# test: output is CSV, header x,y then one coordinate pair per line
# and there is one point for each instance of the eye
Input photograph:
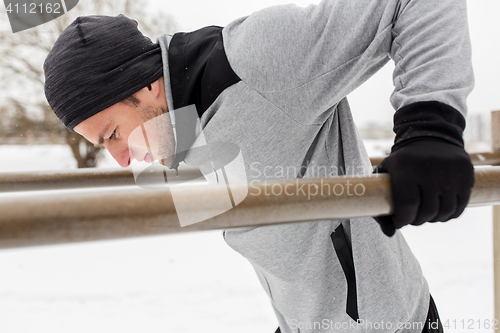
x,y
112,136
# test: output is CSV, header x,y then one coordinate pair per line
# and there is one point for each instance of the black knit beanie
x,y
97,62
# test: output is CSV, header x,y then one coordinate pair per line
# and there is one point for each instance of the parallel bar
x,y
496,259
86,178
31,219
478,159
495,146
80,178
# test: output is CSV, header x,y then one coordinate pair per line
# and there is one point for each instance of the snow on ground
x,y
457,259
196,283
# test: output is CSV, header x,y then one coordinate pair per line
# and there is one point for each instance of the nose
x,y
121,155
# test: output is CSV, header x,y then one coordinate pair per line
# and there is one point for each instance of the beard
x,y
158,129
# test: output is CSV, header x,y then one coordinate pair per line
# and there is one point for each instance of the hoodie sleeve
x,y
305,60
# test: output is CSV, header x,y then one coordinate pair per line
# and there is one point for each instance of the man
x,y
274,83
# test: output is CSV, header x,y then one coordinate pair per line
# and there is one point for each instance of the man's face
x,y
142,132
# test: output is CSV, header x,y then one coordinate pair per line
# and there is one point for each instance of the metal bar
x,y
31,219
81,178
496,259
478,159
87,178
495,146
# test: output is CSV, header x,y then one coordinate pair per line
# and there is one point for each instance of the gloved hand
x,y
431,174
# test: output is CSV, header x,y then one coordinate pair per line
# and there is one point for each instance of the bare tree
x,y
24,111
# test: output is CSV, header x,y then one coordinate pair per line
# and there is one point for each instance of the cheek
x,y
153,130
136,139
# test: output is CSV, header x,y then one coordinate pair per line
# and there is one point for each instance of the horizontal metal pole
x,y
81,178
31,219
87,178
479,159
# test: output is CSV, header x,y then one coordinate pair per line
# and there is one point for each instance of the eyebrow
x,y
101,136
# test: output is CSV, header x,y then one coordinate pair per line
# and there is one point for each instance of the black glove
x,y
431,174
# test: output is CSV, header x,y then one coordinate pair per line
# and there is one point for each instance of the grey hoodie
x,y
289,115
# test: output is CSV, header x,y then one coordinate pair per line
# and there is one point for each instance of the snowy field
x,y
195,283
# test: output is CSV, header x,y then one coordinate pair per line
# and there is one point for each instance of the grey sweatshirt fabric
x,y
297,65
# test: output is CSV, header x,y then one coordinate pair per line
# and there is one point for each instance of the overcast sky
x,y
370,101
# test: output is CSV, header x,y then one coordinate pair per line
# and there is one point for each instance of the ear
x,y
156,88
153,94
